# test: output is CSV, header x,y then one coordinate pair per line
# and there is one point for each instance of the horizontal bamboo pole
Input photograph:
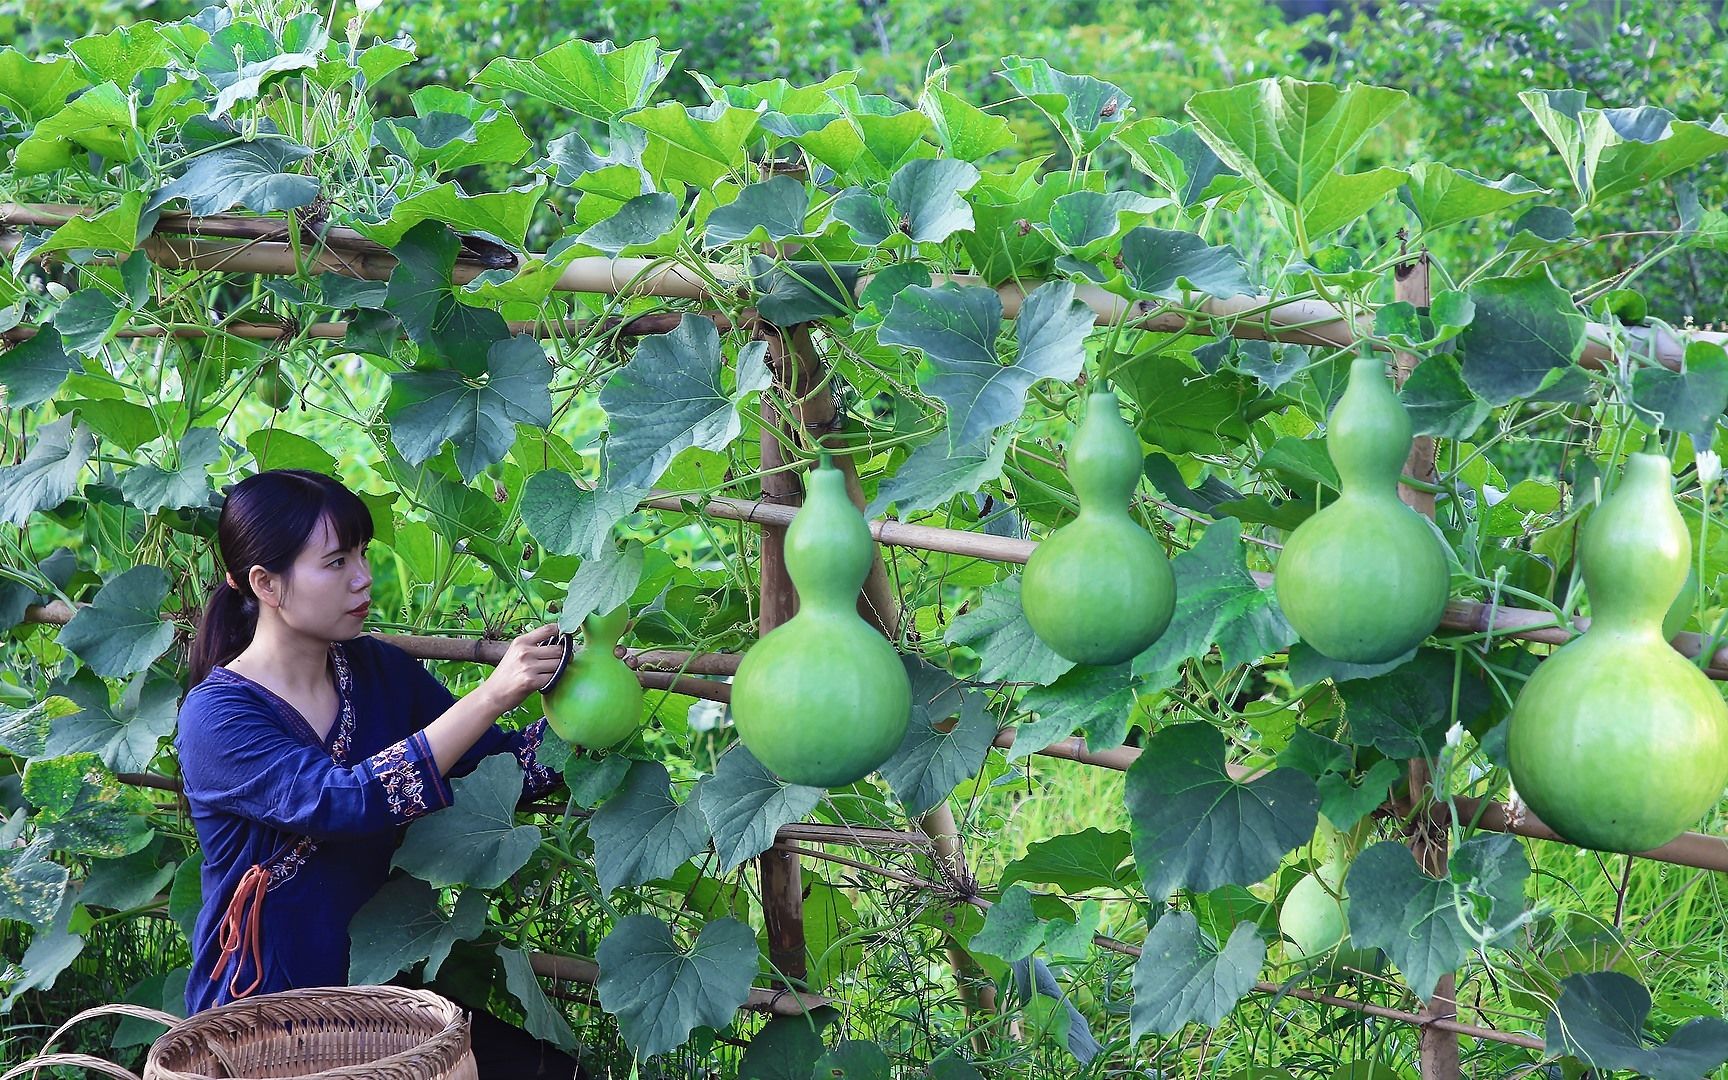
x,y
241,244
658,322
576,969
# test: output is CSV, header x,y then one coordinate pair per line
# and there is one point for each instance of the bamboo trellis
x,y
251,245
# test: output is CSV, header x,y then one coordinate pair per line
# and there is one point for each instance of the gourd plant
x,y
823,699
1617,741
1365,579
596,702
1099,590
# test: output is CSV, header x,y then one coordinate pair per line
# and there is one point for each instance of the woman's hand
x,y
530,660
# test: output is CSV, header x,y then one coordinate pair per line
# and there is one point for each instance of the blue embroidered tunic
x,y
307,826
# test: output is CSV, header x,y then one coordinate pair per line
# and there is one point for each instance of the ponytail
x,y
230,619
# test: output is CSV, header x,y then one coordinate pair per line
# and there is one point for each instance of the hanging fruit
x,y
273,387
823,699
1618,742
1365,579
1315,915
1099,590
596,702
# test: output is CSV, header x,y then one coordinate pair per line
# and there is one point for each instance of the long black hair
x,y
266,520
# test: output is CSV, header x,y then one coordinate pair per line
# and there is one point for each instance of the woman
x,y
306,746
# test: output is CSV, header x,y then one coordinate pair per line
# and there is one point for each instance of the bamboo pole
x,y
1438,1046
655,322
578,969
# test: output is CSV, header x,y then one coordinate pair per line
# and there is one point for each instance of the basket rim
x,y
442,1049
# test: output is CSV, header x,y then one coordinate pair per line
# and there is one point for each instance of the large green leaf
x,y
744,804
1003,244
460,131
1217,603
968,132
956,329
768,211
48,475
1178,159
479,416
126,883
570,520
641,833
1296,140
475,840
1076,862
31,884
124,735
1441,195
122,631
502,215
997,630
1098,699
1525,327
1690,400
1184,412
33,369
661,992
1165,263
1611,151
52,950
697,146
153,489
85,322
421,294
855,1059
1599,1019
930,762
1415,918
82,809
36,87
932,474
257,175
595,79
1195,827
243,56
669,398
1440,402
540,1017
1182,976
869,146
787,1047
404,924
99,120
1083,223
1405,712
1085,110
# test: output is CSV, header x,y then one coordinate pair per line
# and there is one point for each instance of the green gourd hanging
x,y
1099,590
596,701
823,698
1618,742
1315,915
1365,579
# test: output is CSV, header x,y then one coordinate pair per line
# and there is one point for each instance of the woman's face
x,y
330,590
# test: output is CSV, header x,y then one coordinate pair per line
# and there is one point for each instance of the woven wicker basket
x,y
321,1033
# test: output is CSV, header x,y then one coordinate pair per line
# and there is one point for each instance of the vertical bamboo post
x,y
1439,1049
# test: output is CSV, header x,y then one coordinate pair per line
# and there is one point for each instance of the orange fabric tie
x,y
241,932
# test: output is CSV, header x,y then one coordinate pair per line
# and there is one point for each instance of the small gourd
x,y
823,698
1315,915
1365,579
1618,742
1099,590
597,702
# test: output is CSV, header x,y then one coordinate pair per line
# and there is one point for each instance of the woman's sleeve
x,y
433,699
236,757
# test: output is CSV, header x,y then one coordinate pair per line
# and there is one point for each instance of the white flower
x,y
367,7
1709,467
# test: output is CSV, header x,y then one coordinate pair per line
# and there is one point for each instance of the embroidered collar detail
x,y
340,741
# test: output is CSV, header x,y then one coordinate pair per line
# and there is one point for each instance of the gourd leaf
x,y
31,884
1440,402
744,804
422,296
241,57
931,762
1691,400
1414,918
452,130
254,174
998,632
1405,712
956,328
153,489
1611,151
1012,931
125,736
404,924
1525,327
1182,976
868,146
668,398
771,210
475,840
570,520
594,79
1083,223
52,950
1599,1019
787,1047
1098,699
641,833
660,992
1084,110
1178,160
33,369
48,475
926,192
1217,603
127,882
82,809
1165,263
932,474
1441,195
1195,827
502,215
854,1059
696,146
122,630
479,416
1076,862
1296,140
968,132
540,1018
1184,413
85,322
114,229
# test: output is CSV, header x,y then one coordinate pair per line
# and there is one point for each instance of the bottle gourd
x,y
597,702
1365,579
1099,590
1618,742
823,699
